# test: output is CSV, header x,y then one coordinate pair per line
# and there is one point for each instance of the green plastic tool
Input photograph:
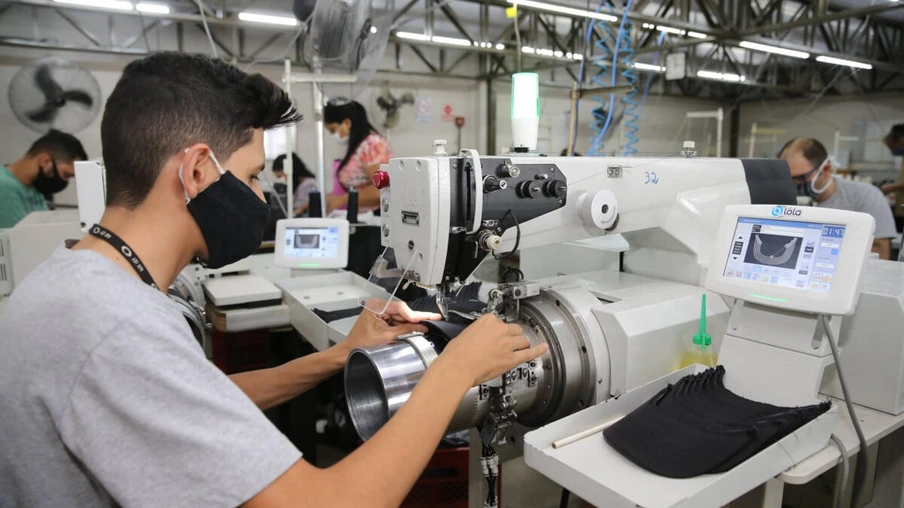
x,y
702,338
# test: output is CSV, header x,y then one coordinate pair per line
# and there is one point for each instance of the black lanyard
x,y
99,231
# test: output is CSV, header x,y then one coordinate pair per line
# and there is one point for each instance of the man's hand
x,y
398,319
490,347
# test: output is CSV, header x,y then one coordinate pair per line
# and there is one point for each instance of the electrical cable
x,y
420,14
584,57
213,45
630,74
282,56
516,21
863,454
650,77
563,501
620,37
508,213
601,117
842,489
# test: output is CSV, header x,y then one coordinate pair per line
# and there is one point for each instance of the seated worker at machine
x,y
111,402
367,149
27,184
303,181
894,140
811,171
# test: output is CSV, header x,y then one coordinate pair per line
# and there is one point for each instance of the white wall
x,y
663,124
866,117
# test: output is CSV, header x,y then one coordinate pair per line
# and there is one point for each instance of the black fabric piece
x,y
769,182
466,301
697,426
446,329
336,315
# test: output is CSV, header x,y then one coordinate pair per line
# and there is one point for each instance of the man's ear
x,y
44,161
194,161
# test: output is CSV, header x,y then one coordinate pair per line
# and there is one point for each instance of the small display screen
x,y
799,255
312,243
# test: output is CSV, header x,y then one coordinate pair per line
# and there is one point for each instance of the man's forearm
x,y
271,387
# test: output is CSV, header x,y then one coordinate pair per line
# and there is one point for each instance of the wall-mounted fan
x,y
344,37
391,105
54,94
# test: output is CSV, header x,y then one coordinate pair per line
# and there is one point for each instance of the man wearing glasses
x,y
811,171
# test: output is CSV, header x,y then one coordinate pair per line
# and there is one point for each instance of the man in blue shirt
x,y
27,184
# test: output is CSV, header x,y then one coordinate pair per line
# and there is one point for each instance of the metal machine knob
x,y
489,241
555,188
493,184
531,189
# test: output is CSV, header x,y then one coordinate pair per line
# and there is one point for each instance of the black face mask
x,y
49,185
231,218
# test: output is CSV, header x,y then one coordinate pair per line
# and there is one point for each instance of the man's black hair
x,y
59,145
167,102
361,127
812,150
896,133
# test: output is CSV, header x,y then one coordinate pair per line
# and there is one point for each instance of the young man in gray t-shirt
x,y
105,397
811,170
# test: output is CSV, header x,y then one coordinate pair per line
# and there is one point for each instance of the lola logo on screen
x,y
778,211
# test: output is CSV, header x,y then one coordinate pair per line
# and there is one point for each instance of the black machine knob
x,y
493,184
530,189
555,188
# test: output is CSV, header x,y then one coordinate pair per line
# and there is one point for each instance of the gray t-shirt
x,y
866,198
107,399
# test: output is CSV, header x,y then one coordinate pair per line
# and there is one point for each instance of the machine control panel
x,y
800,259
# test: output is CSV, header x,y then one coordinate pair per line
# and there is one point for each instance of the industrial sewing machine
x,y
609,332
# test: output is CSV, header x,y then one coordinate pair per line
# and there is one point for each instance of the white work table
x,y
876,426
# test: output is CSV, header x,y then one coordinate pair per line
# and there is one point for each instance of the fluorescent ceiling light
x,y
152,8
648,67
412,36
670,30
564,10
500,46
118,5
267,19
734,78
839,61
439,39
773,49
696,35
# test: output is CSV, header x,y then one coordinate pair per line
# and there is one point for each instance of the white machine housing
x,y
667,209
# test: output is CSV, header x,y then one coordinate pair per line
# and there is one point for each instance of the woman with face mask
x,y
366,150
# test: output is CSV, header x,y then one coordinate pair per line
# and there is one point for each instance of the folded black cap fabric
x,y
697,426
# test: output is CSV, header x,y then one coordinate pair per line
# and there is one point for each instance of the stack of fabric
x,y
697,426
